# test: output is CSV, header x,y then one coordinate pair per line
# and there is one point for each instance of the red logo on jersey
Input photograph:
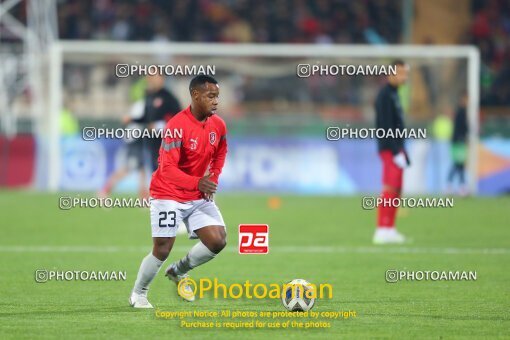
x,y
253,239
212,137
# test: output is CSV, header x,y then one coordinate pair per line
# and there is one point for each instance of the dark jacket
x,y
460,126
389,115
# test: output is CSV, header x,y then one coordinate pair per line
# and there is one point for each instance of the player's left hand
x,y
206,186
209,197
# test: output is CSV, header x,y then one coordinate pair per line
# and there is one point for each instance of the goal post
x,y
257,63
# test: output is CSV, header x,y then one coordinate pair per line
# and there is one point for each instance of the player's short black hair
x,y
201,80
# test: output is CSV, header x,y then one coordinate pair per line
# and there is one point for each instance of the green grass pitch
x,y
334,234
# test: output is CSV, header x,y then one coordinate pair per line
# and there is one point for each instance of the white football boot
x,y
388,236
184,288
139,301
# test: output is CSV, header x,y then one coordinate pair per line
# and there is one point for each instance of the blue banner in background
x,y
318,166
86,165
299,165
294,165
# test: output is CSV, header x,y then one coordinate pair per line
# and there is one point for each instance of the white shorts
x,y
166,215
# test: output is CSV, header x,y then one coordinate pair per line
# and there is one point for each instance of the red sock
x,y
386,211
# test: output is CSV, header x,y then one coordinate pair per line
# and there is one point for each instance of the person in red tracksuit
x,y
191,158
389,116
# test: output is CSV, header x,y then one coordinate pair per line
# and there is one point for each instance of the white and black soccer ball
x,y
298,295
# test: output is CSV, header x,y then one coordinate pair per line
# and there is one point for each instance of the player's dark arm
x,y
207,186
218,159
215,169
385,119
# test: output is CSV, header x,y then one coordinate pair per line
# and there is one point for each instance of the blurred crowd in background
x,y
285,21
490,31
243,21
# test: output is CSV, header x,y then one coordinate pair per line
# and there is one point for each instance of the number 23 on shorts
x,y
167,219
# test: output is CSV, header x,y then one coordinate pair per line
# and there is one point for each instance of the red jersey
x,y
189,148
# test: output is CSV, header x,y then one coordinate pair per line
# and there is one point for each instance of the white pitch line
x,y
274,249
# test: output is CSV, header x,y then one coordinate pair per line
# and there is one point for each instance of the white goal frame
x,y
59,48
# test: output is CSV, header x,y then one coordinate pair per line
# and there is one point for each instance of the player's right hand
x,y
207,186
126,120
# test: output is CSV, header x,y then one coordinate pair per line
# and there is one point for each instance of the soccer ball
x,y
298,295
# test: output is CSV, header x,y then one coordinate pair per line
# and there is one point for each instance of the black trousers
x,y
457,170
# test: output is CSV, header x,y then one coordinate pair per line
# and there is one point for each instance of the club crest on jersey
x,y
212,137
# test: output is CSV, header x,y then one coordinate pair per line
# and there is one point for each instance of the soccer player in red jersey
x,y
389,116
191,158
